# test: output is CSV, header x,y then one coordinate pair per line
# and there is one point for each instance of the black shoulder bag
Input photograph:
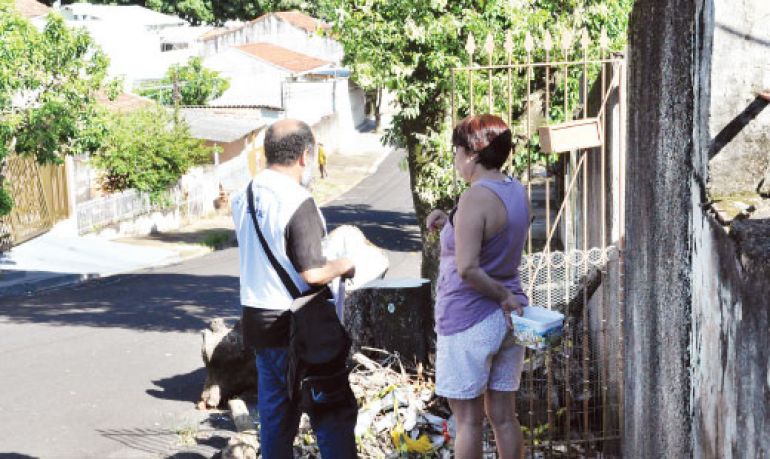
x,y
318,343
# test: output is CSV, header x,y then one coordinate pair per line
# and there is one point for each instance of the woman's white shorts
x,y
484,356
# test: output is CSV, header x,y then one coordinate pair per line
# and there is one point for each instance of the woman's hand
x,y
511,304
436,220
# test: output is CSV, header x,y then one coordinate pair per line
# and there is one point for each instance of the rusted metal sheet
x,y
571,136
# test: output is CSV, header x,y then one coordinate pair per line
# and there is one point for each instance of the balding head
x,y
286,140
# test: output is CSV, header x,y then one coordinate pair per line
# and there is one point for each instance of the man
x,y
322,160
293,228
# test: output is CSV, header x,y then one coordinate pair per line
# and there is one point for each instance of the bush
x,y
149,151
197,84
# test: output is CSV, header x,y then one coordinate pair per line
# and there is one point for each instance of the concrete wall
x,y
279,32
730,274
696,317
730,340
658,208
741,45
252,82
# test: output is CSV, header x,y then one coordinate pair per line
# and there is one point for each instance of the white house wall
x,y
252,82
134,52
278,32
309,101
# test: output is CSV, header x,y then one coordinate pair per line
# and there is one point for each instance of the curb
x,y
377,162
34,286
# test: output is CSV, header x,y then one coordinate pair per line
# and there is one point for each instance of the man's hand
x,y
341,267
348,267
436,220
511,304
765,94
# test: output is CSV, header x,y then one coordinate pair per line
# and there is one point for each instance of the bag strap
x,y
285,278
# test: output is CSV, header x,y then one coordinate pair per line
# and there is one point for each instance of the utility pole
x,y
176,95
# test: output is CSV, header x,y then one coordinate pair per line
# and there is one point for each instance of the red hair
x,y
487,135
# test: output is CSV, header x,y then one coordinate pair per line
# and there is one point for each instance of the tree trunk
x,y
395,315
377,110
230,368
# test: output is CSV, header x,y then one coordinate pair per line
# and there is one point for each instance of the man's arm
x,y
303,237
332,269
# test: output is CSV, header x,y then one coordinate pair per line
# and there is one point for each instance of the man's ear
x,y
304,158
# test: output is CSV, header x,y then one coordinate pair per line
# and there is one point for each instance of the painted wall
x,y
252,82
279,32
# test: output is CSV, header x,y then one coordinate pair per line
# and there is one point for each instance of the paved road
x,y
111,368
381,206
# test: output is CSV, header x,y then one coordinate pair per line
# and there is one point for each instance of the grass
x,y
218,239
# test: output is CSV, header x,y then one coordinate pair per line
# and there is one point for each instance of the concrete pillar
x,y
662,49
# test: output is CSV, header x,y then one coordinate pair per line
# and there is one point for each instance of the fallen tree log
x,y
395,315
230,368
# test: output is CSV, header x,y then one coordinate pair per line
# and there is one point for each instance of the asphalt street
x,y
112,368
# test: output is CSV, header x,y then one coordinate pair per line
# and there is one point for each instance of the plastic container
x,y
538,328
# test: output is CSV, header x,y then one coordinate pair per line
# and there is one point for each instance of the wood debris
x,y
399,414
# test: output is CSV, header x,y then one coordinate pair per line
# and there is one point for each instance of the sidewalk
x,y
58,258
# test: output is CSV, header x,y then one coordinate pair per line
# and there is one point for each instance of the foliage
x,y
149,151
410,48
213,11
196,84
48,84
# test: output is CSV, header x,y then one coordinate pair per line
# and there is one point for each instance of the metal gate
x,y
570,402
40,199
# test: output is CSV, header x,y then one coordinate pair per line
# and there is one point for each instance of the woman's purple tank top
x,y
458,305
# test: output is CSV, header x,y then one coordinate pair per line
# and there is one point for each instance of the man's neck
x,y
293,171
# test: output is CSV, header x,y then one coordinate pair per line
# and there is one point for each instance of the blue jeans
x,y
279,416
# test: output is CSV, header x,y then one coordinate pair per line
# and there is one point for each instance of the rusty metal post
x,y
566,44
584,43
603,348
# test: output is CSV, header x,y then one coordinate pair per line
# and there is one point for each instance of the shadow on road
x,y
389,230
189,441
184,388
148,302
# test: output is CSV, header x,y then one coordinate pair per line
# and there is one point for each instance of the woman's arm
x,y
436,220
469,223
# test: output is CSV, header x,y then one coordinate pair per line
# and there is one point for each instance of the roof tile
x,y
31,8
282,57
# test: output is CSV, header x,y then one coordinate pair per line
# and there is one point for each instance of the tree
x,y
195,84
48,83
410,47
211,11
148,150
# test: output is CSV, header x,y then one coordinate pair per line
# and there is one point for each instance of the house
x,y
134,15
133,38
289,29
235,130
124,102
33,10
258,73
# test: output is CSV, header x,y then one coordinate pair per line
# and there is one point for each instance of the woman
x,y
478,365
